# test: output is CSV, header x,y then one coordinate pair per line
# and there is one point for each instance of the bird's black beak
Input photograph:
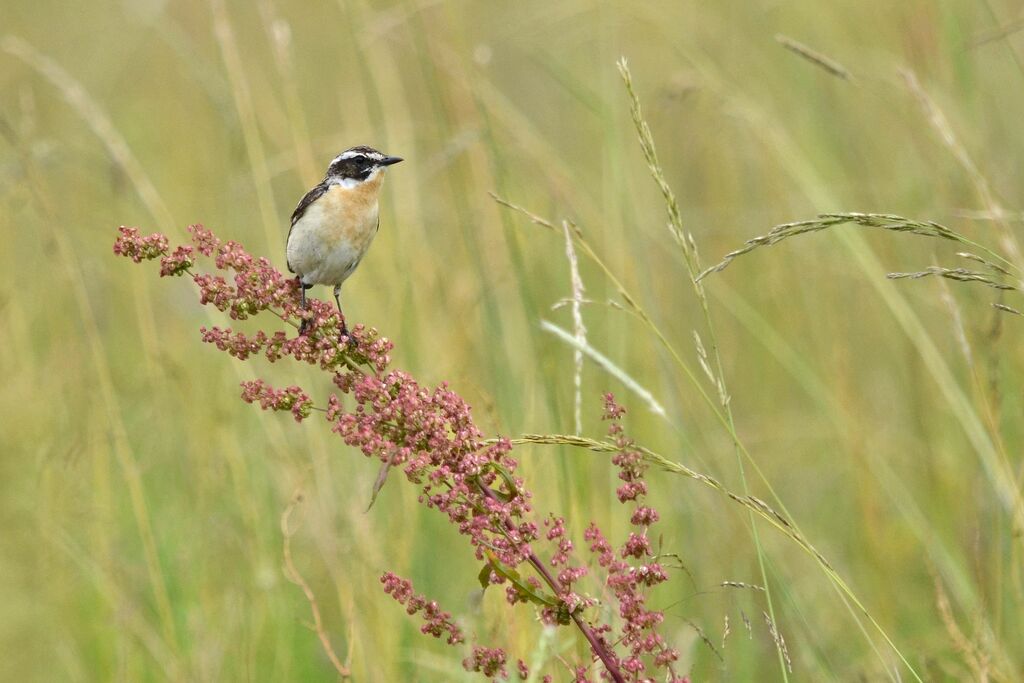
x,y
387,161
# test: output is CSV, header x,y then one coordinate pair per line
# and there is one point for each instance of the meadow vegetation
x,y
834,454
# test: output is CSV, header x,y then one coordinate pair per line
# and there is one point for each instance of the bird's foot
x,y
344,336
303,327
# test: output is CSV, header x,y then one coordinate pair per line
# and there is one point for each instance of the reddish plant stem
x,y
596,645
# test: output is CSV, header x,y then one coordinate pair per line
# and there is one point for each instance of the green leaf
x,y
510,483
484,577
537,598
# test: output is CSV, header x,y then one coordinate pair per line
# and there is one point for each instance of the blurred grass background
x,y
141,499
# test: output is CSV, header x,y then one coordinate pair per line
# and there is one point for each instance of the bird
x,y
335,222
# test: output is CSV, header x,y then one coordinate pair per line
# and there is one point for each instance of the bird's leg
x,y
337,300
304,325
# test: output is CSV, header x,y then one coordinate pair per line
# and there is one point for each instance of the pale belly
x,y
329,241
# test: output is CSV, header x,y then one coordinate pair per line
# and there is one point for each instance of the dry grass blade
x,y
581,346
882,221
814,57
958,274
937,119
293,575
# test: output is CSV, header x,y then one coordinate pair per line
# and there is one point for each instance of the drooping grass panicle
x,y
882,221
958,274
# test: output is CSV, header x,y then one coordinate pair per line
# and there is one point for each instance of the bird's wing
x,y
304,204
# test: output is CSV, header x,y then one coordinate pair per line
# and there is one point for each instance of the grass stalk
x,y
688,249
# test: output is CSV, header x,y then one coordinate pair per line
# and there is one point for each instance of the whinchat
x,y
335,222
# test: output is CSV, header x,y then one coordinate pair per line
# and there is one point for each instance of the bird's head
x,y
359,164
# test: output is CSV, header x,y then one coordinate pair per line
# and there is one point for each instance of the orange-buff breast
x,y
351,214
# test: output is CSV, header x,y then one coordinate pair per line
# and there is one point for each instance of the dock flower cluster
x,y
430,436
